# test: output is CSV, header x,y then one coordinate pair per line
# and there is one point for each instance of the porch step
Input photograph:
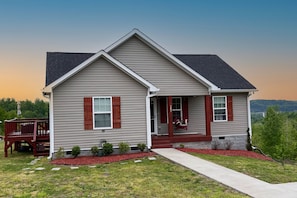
x,y
42,154
161,143
161,146
42,149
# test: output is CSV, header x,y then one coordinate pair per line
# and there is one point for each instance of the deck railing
x,y
27,127
31,131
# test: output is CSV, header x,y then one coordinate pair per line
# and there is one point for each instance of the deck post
x,y
170,116
5,148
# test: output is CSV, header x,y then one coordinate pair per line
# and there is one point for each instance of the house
x,y
135,91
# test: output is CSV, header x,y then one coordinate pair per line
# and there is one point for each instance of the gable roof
x,y
140,35
216,71
72,69
210,70
211,67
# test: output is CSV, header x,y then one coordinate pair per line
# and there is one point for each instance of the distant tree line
x,y
276,134
29,109
283,105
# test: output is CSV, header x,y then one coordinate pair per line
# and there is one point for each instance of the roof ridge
x,y
71,52
194,54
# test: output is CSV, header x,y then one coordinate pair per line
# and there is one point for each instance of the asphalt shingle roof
x,y
211,67
217,71
59,63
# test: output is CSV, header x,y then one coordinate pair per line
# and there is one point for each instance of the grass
x,y
159,178
269,171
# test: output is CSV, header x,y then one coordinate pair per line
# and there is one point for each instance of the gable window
x,y
220,108
177,108
102,112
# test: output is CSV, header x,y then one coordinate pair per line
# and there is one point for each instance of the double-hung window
x,y
220,108
177,108
102,110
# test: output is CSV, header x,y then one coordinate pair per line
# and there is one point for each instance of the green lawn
x,y
269,171
159,178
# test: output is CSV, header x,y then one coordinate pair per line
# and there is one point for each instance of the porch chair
x,y
181,125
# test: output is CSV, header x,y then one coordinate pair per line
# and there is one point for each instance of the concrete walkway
x,y
238,181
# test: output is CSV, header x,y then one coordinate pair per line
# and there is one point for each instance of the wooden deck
x,y
166,141
34,132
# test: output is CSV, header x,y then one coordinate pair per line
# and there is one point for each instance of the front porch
x,y
181,120
167,142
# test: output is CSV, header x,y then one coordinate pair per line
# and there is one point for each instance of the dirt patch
x,y
91,160
249,154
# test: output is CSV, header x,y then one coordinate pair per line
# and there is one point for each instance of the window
x,y
102,110
220,108
177,108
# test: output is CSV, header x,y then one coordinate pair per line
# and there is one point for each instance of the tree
x,y
272,132
8,110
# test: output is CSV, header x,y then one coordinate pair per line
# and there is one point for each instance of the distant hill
x,y
283,105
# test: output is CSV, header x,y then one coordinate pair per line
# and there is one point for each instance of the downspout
x,y
148,118
51,121
249,114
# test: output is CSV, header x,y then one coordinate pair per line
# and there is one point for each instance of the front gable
x,y
155,68
101,54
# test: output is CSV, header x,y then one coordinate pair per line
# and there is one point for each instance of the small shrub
x,y
107,149
181,146
141,146
60,153
75,151
95,150
228,144
215,145
124,147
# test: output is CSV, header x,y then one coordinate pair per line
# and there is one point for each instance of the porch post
x,y
170,116
208,114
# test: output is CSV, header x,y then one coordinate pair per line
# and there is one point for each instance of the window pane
x,y
219,102
176,115
102,120
176,103
102,104
220,114
96,104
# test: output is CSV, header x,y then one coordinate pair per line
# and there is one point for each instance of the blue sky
x,y
256,37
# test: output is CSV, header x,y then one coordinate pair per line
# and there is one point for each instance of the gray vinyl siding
x,y
153,67
239,124
196,115
98,79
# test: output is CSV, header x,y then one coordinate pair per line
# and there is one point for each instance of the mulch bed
x,y
242,153
91,160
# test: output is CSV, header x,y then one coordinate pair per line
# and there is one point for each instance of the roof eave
x,y
234,91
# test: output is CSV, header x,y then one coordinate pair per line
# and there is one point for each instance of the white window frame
x,y
102,112
181,107
219,108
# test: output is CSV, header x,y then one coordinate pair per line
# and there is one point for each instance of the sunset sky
x,y
258,38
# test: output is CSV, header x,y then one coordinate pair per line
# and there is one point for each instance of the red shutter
x,y
116,112
163,112
185,108
88,113
230,108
